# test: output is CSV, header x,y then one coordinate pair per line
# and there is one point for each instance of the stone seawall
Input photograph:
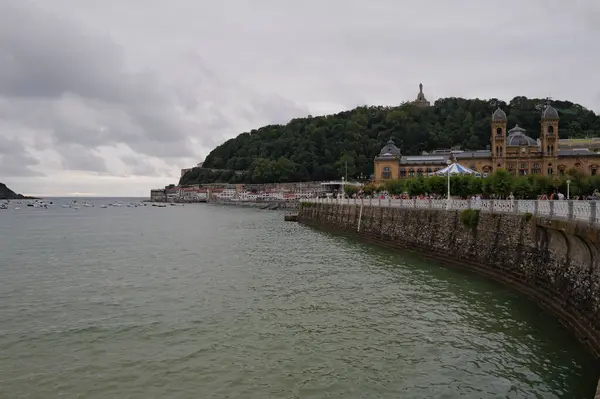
x,y
555,263
271,205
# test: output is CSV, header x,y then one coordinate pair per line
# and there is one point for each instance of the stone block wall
x,y
555,263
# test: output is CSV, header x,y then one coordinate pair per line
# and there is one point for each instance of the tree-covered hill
x,y
7,193
319,148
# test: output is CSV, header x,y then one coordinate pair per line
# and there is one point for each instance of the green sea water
x,y
204,301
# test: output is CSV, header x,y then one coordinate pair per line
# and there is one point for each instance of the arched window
x,y
429,171
499,131
411,173
523,169
420,172
550,130
387,173
402,172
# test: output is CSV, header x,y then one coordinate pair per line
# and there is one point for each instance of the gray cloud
x,y
140,166
77,157
15,159
49,60
92,82
74,85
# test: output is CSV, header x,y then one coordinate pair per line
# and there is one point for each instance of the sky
x,y
113,98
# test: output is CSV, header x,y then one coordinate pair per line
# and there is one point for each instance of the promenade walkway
x,y
577,210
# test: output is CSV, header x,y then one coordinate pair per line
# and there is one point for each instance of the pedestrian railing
x,y
579,210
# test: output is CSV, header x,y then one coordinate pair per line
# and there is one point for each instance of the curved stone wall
x,y
555,262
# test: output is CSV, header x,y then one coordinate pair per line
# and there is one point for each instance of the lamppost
x,y
448,162
568,184
346,163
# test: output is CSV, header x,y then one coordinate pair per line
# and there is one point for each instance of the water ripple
x,y
235,303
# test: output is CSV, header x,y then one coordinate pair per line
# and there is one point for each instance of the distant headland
x,y
8,194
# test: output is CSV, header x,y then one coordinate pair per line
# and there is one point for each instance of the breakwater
x,y
269,205
555,262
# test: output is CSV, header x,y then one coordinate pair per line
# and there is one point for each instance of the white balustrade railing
x,y
579,210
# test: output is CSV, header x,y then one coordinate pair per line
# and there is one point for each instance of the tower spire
x,y
421,101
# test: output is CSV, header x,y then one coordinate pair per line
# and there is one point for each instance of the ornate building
x,y
512,150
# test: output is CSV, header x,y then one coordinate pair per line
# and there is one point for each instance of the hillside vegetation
x,y
7,193
320,148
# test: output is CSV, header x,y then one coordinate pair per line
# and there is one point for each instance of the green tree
x,y
460,185
522,189
502,182
346,165
476,186
394,187
415,186
540,184
436,185
351,190
369,189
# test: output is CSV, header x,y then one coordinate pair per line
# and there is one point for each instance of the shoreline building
x,y
512,150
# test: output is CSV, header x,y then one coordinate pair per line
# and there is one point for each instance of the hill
x,y
320,148
7,193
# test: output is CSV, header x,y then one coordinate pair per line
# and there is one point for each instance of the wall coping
x,y
579,210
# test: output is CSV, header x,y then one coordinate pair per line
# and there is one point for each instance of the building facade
x,y
512,150
158,195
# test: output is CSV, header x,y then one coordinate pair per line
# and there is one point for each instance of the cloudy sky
x,y
113,97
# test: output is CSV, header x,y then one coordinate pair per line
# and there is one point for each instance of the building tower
x,y
498,139
549,139
421,101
